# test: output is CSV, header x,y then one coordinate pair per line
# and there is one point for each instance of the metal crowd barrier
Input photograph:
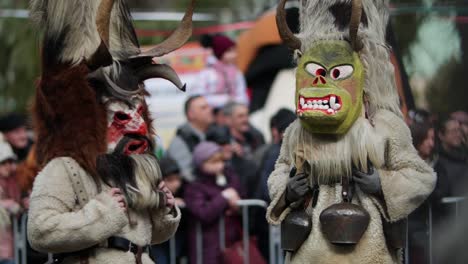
x,y
276,254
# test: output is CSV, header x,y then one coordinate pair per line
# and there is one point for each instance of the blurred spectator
x,y
462,118
171,175
221,81
245,169
13,127
452,166
199,118
423,140
214,194
279,122
9,201
248,138
418,221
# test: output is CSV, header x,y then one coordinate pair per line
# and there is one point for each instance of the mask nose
x,y
137,126
320,80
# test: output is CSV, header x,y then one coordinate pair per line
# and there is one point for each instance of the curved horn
x,y
102,56
285,32
356,16
160,71
177,39
103,18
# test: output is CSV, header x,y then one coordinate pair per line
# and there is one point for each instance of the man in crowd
x,y
247,137
13,127
462,117
199,118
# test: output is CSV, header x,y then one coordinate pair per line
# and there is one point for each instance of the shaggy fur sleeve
x,y
165,224
278,181
406,179
54,227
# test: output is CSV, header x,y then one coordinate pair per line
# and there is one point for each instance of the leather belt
x,y
118,243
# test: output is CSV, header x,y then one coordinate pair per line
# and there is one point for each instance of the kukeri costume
x,y
347,168
94,133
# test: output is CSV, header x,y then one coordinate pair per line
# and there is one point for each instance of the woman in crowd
x,y
212,195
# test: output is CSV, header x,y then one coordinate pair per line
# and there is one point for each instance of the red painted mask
x,y
124,120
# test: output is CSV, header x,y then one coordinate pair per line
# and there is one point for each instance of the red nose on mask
x,y
320,80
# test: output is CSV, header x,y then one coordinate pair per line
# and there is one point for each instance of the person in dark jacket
x,y
199,118
211,196
452,165
452,181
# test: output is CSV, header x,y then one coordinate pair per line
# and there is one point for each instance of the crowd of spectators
x,y
442,142
217,157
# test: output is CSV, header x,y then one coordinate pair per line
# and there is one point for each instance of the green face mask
x,y
329,87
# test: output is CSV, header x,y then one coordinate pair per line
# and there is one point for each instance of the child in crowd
x,y
171,175
213,194
9,201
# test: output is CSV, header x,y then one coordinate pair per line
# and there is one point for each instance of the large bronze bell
x,y
295,229
344,223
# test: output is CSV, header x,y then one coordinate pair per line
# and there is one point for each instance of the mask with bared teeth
x,y
329,87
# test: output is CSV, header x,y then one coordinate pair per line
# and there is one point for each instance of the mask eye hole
x,y
315,69
342,72
121,117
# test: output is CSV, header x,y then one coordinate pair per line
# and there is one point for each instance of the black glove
x,y
368,182
298,186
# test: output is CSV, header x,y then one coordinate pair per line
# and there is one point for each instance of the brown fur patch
x,y
68,118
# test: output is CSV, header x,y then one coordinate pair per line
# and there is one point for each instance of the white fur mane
x,y
332,157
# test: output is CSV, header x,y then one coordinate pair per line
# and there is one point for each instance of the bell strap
x,y
77,181
345,189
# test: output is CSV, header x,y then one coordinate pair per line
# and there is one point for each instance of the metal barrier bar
x,y
199,241
19,239
172,250
245,233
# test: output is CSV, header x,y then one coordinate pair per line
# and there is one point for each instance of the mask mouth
x,y
136,146
329,104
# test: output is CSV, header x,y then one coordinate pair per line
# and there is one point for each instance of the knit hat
x,y
6,152
219,43
11,122
204,151
168,166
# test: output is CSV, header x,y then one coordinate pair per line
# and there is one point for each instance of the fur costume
x,y
348,112
94,133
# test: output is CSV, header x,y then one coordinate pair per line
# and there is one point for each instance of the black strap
x,y
118,243
123,244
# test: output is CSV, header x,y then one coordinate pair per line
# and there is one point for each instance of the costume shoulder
x,y
393,126
54,180
406,179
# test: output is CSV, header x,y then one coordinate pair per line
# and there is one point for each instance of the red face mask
x,y
125,120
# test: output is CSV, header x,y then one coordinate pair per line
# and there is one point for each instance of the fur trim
x,y
68,119
77,19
